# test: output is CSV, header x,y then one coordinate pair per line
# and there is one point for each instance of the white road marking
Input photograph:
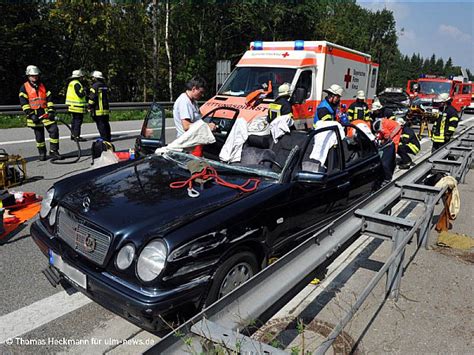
x,y
466,121
35,315
82,135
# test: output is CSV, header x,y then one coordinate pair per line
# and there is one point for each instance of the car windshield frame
x,y
244,80
182,158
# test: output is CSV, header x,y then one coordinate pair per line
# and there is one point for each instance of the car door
x,y
152,135
319,191
362,164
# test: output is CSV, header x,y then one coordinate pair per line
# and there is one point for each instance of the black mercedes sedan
x,y
130,238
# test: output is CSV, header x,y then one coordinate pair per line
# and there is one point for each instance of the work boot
x,y
405,166
42,155
54,154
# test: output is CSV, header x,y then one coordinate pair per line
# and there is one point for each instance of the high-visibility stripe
x,y
413,148
52,140
326,117
22,94
278,62
40,144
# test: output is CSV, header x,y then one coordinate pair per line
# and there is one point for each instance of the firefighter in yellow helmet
x,y
36,102
76,101
446,122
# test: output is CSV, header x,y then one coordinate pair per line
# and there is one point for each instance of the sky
x,y
445,28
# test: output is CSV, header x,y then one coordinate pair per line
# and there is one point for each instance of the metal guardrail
x,y
219,324
115,106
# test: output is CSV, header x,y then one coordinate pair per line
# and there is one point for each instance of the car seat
x,y
286,143
256,150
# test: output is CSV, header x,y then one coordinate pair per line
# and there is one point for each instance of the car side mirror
x,y
311,177
299,96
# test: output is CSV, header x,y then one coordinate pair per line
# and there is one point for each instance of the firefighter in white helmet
x,y
359,109
38,106
446,122
326,110
99,105
76,101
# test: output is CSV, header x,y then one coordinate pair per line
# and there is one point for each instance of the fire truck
x,y
308,66
427,87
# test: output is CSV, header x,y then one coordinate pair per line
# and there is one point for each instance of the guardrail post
x,y
394,273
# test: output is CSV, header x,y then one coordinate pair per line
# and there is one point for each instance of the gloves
x,y
35,118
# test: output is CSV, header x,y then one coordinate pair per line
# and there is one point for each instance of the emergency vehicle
x,y
430,86
306,65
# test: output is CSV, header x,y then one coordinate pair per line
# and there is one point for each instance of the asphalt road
x,y
34,316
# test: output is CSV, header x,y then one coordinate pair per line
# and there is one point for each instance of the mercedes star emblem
x,y
86,203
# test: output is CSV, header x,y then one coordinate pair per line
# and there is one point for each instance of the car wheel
x,y
233,272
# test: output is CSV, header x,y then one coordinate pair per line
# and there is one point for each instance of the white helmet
x,y
335,89
32,70
77,74
443,97
360,95
401,121
284,89
97,74
376,105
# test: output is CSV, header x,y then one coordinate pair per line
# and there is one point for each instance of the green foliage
x,y
117,38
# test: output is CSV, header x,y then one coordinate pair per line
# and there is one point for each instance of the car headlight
x,y
151,260
46,203
52,215
125,257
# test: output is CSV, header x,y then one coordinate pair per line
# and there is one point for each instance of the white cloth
x,y
231,151
323,141
259,126
106,158
184,109
452,184
198,133
281,125
364,128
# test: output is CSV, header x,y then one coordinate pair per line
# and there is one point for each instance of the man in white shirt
x,y
186,109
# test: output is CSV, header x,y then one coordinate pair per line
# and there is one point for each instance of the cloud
x,y
454,33
400,10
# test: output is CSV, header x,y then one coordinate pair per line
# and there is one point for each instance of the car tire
x,y
234,271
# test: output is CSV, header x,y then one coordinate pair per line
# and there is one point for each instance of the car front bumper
x,y
150,309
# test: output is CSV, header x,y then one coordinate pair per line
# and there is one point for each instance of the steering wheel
x,y
209,117
274,162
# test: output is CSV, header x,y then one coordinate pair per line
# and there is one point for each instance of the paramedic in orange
x,y
36,103
388,133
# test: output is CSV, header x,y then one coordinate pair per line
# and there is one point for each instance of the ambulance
x,y
308,66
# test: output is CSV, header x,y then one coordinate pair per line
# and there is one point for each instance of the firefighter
x,y
446,122
326,110
388,133
378,111
99,105
409,144
281,106
36,102
76,102
359,110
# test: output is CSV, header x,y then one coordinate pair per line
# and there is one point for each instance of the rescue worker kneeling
x,y
409,144
388,133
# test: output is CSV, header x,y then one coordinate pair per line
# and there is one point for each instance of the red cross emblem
x,y
286,54
348,77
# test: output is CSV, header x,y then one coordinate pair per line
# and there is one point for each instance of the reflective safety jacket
x,y
445,125
410,139
358,110
99,99
279,107
76,97
324,112
35,100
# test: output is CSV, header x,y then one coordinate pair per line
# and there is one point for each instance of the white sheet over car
x,y
231,151
323,141
198,133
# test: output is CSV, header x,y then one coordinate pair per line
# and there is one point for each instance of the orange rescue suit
x,y
350,130
390,129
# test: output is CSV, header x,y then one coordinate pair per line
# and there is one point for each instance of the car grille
x,y
82,236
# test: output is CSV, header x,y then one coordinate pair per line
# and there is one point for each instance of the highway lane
x,y
33,312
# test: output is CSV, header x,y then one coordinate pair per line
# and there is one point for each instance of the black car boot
x,y
54,154
42,154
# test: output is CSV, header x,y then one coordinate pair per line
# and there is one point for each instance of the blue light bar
x,y
299,45
258,45
422,75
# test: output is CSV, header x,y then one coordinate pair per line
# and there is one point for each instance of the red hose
x,y
211,173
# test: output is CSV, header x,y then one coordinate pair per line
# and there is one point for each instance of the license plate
x,y
71,273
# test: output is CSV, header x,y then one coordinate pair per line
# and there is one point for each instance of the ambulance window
x,y
373,77
466,89
304,81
